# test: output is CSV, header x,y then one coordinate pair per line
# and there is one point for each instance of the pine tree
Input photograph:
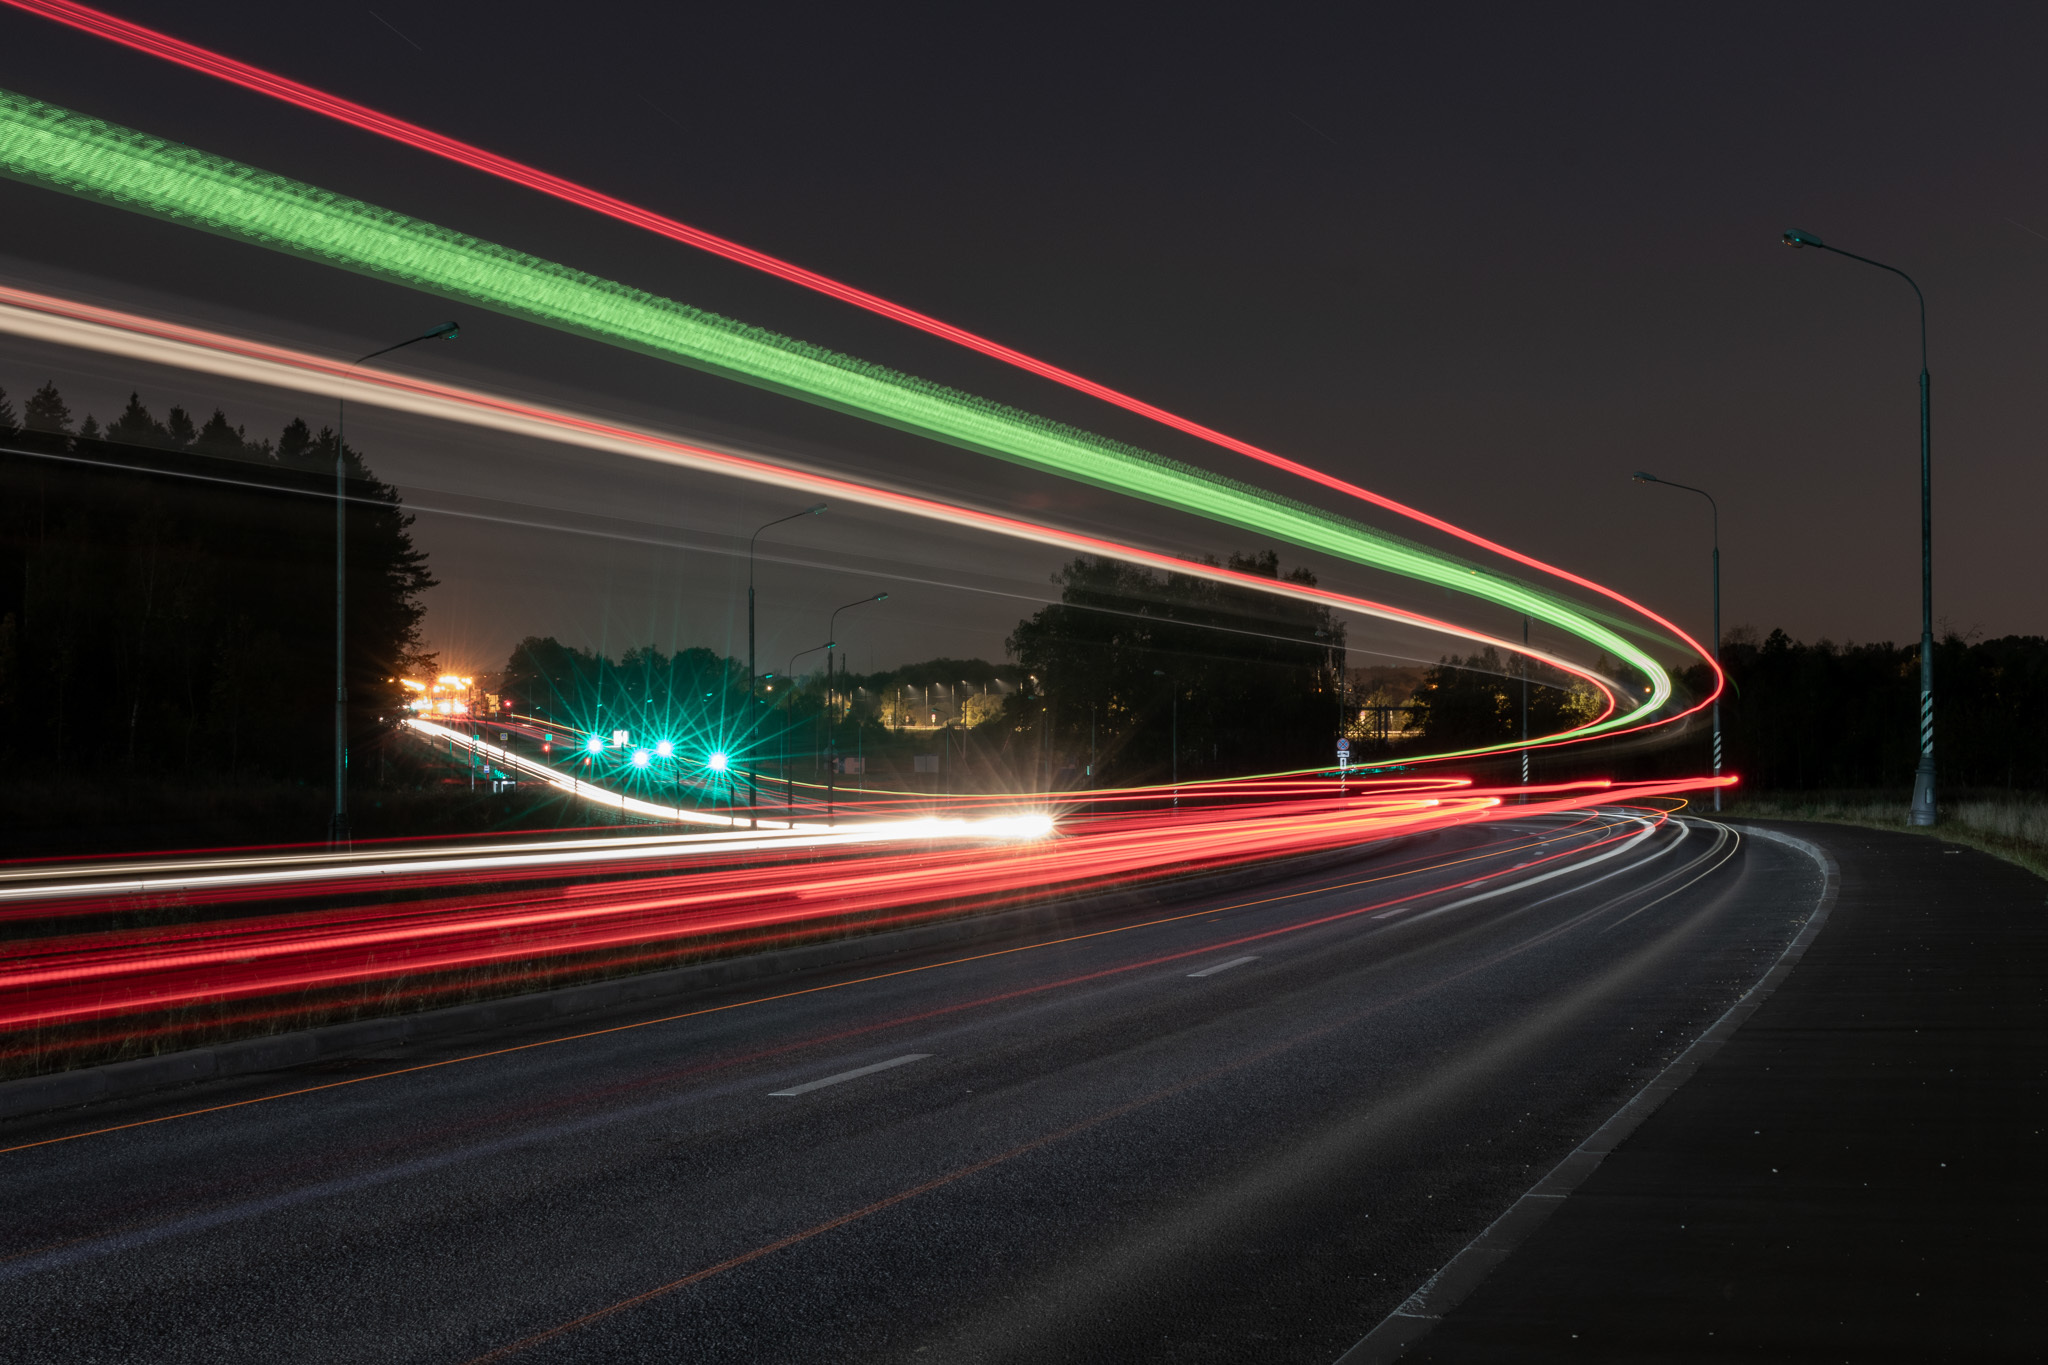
x,y
10,429
294,443
178,426
46,414
218,438
135,427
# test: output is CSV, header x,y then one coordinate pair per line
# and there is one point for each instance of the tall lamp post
x,y
1641,477
337,828
831,736
1525,707
1921,812
753,788
788,716
1174,684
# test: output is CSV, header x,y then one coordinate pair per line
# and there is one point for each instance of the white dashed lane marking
x,y
1225,966
852,1075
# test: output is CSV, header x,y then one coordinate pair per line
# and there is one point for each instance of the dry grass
x,y
2009,826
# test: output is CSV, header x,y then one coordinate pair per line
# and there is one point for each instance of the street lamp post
x,y
1525,706
788,717
831,735
1641,477
753,788
337,828
1174,685
1921,812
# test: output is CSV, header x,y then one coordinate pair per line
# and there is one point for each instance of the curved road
x,y
1223,1128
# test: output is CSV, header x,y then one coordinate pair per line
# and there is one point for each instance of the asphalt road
x,y
1854,1176
1226,1129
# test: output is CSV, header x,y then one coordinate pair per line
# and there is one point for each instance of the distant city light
x,y
451,694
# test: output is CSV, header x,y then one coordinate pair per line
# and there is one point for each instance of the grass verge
x,y
2009,826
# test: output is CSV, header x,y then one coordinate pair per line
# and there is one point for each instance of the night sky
x,y
1487,261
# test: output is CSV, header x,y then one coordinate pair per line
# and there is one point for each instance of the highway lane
x,y
1223,1128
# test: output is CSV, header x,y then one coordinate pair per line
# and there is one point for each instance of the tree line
x,y
1255,684
1803,717
1151,672
1795,716
167,595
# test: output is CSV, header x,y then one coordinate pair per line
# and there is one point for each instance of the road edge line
x,y
1459,1276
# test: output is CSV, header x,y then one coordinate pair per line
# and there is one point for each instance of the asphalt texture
x,y
1079,1149
1857,1175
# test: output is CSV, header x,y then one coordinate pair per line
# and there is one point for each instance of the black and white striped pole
x,y
1921,812
1525,705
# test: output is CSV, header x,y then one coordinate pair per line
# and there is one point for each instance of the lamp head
x,y
1640,477
1796,238
816,511
447,331
880,597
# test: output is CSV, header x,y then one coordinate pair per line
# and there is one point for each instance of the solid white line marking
x,y
852,1075
1225,966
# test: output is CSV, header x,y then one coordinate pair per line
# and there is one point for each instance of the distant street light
x,y
789,714
1641,477
1174,684
1921,812
337,829
753,791
1525,707
831,735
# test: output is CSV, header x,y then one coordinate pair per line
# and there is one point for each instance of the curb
x,y
142,1076
1443,1291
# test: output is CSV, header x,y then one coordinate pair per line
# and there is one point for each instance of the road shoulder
x,y
1852,1174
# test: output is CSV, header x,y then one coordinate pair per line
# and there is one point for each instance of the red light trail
x,y
456,924
71,323
442,921
155,43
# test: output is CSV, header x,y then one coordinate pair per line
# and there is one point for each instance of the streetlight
x,y
831,731
1641,477
1174,683
1524,661
753,791
1921,812
789,714
337,829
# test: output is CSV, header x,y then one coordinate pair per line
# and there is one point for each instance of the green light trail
x,y
56,148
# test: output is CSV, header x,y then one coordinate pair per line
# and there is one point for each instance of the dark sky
x,y
1486,260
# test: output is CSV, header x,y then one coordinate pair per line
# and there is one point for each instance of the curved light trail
x,y
452,925
263,936
54,147
66,322
196,58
